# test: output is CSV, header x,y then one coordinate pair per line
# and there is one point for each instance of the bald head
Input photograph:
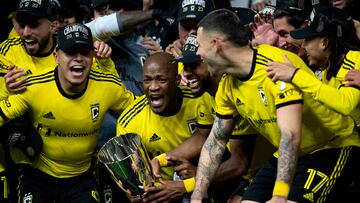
x,y
162,60
161,82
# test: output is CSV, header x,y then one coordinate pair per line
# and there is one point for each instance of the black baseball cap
x,y
97,3
245,15
74,34
39,8
189,55
198,9
329,21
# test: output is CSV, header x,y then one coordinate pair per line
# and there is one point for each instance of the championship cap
x,y
194,9
189,55
39,8
74,34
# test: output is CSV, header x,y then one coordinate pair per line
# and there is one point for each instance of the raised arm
x,y
289,120
347,98
211,156
112,25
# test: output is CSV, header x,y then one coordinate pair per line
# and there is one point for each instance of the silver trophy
x,y
128,162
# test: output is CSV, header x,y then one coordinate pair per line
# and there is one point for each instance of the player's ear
x,y
324,43
55,54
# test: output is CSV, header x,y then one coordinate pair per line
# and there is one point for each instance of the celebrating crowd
x,y
234,101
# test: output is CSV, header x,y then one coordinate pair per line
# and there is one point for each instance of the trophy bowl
x,y
128,163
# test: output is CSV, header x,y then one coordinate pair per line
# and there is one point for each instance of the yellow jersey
x,y
68,124
160,134
256,99
13,52
323,90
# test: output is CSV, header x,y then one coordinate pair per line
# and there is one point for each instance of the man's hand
x,y
281,71
102,49
184,168
151,45
277,199
147,4
175,48
132,198
353,78
168,191
263,30
155,165
13,81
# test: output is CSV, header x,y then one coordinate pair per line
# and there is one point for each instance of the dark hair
x,y
228,23
341,33
295,18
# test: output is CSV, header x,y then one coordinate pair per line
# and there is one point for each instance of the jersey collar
x,y
252,67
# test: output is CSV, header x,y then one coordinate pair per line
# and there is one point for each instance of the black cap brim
x,y
303,33
188,59
32,12
190,16
74,44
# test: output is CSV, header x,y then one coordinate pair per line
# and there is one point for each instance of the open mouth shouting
x,y
77,70
156,101
31,44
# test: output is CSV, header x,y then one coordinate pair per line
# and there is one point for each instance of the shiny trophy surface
x,y
127,160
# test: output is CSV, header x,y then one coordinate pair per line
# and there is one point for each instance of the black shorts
x,y
38,187
324,176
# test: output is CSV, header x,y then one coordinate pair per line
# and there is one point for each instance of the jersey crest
x,y
192,125
95,111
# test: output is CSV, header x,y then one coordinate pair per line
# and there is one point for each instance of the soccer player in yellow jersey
x,y
248,151
331,45
168,117
305,132
66,107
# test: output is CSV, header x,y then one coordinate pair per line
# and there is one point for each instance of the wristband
x,y
293,75
189,184
281,189
162,159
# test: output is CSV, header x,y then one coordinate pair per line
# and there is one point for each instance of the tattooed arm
x,y
211,156
289,121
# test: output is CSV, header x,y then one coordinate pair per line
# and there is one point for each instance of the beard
x,y
42,44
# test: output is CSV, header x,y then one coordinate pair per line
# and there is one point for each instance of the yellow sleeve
x,y
343,100
225,108
123,99
104,65
286,93
12,107
205,112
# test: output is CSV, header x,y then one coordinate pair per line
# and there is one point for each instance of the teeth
x,y
28,40
192,81
77,68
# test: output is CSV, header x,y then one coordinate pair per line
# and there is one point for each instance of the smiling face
x,y
285,41
36,33
317,51
160,83
74,67
198,76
